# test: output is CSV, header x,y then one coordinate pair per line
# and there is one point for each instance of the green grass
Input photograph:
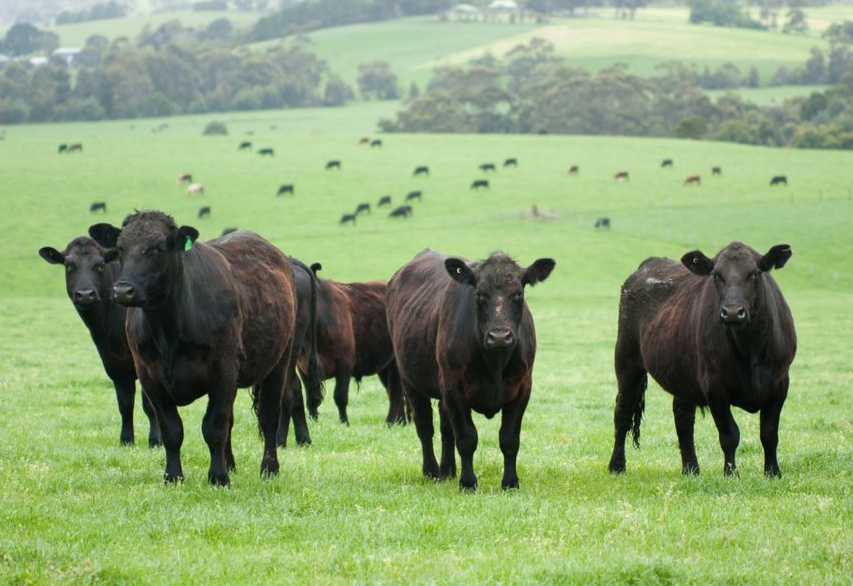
x,y
353,508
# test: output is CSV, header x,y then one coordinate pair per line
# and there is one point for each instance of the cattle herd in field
x,y
190,318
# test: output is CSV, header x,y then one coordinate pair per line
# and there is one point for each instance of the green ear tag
x,y
188,244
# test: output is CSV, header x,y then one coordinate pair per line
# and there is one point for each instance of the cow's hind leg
x,y
510,437
684,413
155,439
630,402
344,373
423,424
391,381
271,401
297,411
770,431
447,468
729,434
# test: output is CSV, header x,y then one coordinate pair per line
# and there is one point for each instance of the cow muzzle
x,y
499,339
125,294
86,297
733,314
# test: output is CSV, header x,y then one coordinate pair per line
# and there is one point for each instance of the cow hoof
x,y
345,421
773,473
269,469
730,470
690,470
510,484
470,488
126,441
172,479
155,443
303,443
218,479
616,469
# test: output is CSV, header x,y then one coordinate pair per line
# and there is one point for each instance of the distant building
x,y
3,60
503,6
37,61
67,54
464,12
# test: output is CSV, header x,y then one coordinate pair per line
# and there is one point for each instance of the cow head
x,y
498,285
149,246
737,271
85,271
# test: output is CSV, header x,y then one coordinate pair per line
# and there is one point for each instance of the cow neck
x,y
164,318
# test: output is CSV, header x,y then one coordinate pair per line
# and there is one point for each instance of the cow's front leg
x,y
171,426
510,437
729,434
465,434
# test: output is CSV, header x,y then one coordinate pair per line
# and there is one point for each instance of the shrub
x,y
214,127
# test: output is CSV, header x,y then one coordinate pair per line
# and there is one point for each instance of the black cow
x,y
712,332
480,183
779,180
666,163
62,148
204,212
422,170
487,167
203,321
716,170
602,223
362,207
385,200
376,143
285,189
333,165
89,282
401,212
245,145
347,219
414,195
463,334
98,206
511,162
266,151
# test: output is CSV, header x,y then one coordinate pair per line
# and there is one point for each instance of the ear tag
x,y
458,270
188,244
696,260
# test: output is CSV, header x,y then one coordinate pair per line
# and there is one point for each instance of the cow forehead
x,y
147,229
737,257
499,274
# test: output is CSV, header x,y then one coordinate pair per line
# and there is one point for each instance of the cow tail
x,y
639,407
314,383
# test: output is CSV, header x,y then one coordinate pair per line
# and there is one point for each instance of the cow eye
x,y
756,274
518,296
99,267
70,268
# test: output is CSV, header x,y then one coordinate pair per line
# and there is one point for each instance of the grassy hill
x,y
353,508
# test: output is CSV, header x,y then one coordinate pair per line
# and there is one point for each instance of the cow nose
x,y
85,297
123,293
733,314
499,338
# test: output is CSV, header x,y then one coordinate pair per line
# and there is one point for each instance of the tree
x,y
752,79
337,92
628,8
691,127
24,38
840,32
796,21
376,81
414,91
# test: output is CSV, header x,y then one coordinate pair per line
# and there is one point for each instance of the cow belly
x,y
186,380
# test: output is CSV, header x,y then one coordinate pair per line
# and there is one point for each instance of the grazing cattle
x,y
574,170
195,189
478,183
422,170
228,230
401,212
414,195
779,180
204,212
362,207
713,333
62,148
487,167
76,146
463,334
602,223
716,171
285,189
693,180
89,282
511,162
203,321
385,200
364,140
353,342
245,145
375,143
98,206
333,165
666,163
621,175
266,151
347,219
184,178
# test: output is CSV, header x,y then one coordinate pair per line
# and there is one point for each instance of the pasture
x,y
354,508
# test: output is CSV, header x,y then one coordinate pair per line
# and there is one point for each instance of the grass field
x,y
353,508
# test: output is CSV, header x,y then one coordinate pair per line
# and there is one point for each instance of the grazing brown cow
x,y
574,170
89,282
202,321
184,178
712,332
693,180
364,140
401,212
353,342
621,175
463,334
76,146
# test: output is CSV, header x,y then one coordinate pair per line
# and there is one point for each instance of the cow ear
x,y
459,271
105,234
184,238
538,271
775,258
52,255
110,255
316,267
698,263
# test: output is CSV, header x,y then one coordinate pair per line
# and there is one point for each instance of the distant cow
x,y
89,281
480,183
347,219
228,230
602,223
195,189
76,146
414,195
779,180
693,180
666,163
422,170
487,167
204,212
62,148
385,200
353,342
376,143
713,333
574,170
511,162
333,165
716,170
266,151
401,212
362,207
203,321
621,175
184,178
245,145
98,206
463,334
364,140
288,188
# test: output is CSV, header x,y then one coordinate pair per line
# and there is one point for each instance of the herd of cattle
x,y
189,318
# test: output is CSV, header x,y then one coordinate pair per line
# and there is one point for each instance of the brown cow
x,y
621,175
463,334
693,180
574,170
712,332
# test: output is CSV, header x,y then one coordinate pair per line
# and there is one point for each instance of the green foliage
x,y
24,38
337,92
97,12
215,127
377,81
721,13
691,127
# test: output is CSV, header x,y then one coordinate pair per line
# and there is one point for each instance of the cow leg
x,y
447,468
171,427
629,400
342,378
216,427
154,437
466,439
391,381
424,426
728,432
229,454
297,412
510,435
770,431
684,413
282,430
272,401
125,394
